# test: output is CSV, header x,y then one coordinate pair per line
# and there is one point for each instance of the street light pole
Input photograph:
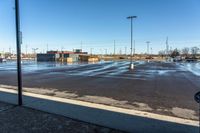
x,y
148,56
91,51
125,49
47,48
148,42
131,18
18,42
35,53
114,48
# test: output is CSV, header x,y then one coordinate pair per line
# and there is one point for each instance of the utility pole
x,y
81,46
125,50
105,51
101,53
91,50
47,47
167,48
120,52
34,52
134,48
148,42
26,49
18,42
62,58
131,18
61,48
9,49
114,47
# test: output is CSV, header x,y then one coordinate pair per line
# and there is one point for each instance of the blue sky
x,y
97,23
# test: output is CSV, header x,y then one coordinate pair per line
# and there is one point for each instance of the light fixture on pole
x,y
131,63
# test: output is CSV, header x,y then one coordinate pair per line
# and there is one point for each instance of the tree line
x,y
185,52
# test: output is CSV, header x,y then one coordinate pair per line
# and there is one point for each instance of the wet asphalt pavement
x,y
159,87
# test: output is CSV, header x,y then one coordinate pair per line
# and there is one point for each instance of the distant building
x,y
80,51
64,56
77,50
47,57
89,58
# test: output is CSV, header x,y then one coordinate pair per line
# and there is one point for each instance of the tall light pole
x,y
91,51
114,48
167,46
131,18
125,49
81,46
134,48
47,48
106,51
148,50
26,50
18,42
35,53
9,50
148,42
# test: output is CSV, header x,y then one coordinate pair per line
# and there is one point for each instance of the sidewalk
x,y
15,119
107,116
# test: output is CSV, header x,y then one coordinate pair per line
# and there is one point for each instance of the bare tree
x,y
194,51
161,53
175,53
185,51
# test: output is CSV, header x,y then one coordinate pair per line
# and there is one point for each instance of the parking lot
x,y
160,87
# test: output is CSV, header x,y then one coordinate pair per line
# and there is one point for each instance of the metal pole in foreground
x,y
131,64
18,42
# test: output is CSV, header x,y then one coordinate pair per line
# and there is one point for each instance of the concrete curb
x,y
113,117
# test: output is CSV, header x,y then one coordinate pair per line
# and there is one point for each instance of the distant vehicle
x,y
169,59
177,59
149,57
122,57
191,59
2,60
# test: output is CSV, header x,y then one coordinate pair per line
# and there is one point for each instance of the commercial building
x,y
89,58
47,57
63,56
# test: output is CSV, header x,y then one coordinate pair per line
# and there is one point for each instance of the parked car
x,y
177,59
191,59
2,60
149,57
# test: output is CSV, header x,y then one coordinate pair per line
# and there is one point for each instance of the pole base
x,y
131,67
